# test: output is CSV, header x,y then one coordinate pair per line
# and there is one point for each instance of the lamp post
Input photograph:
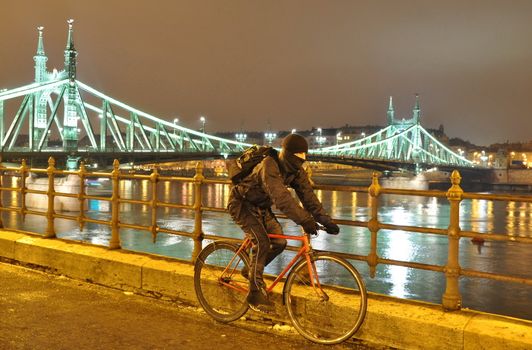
x,y
293,131
241,137
270,136
202,120
320,139
176,120
338,138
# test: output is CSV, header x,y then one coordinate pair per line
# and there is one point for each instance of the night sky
x,y
294,64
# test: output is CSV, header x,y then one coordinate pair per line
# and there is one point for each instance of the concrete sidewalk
x,y
44,311
390,322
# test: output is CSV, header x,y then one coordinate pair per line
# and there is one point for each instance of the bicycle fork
x,y
312,275
314,280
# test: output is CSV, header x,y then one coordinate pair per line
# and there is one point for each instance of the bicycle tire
x,y
330,321
222,297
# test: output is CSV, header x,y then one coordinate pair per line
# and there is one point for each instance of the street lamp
x,y
320,139
293,131
338,138
270,136
241,137
176,120
202,120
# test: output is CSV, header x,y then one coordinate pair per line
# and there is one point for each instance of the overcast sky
x,y
296,64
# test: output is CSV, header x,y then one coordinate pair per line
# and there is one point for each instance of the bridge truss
x,y
121,127
53,107
413,145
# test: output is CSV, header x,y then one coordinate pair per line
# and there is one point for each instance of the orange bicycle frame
x,y
303,251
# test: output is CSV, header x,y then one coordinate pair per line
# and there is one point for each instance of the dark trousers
x,y
257,223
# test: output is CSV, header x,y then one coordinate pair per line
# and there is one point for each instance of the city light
x,y
270,136
202,120
320,139
241,137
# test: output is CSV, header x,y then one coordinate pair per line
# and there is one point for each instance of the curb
x,y
389,321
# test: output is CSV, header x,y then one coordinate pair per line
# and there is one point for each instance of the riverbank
x,y
390,321
509,181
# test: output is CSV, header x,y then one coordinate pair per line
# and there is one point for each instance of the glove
x,y
310,226
332,228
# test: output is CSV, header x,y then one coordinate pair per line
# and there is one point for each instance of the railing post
x,y
114,243
373,223
451,299
198,231
81,173
50,229
154,177
23,171
1,185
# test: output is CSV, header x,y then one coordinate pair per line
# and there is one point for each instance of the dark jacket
x,y
267,185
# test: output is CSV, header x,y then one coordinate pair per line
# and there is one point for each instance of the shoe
x,y
258,301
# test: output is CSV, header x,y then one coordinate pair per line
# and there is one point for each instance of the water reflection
x,y
477,215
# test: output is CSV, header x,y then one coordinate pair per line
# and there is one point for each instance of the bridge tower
x,y
38,119
402,124
417,142
391,113
416,112
70,121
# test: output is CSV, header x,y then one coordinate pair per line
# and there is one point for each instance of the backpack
x,y
242,166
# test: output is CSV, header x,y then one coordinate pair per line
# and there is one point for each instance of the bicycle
x,y
324,294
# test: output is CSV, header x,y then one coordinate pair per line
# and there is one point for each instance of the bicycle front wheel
x,y
220,287
330,309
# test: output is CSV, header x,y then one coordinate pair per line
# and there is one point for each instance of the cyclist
x,y
250,203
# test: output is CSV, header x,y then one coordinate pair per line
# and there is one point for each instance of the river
x,y
514,218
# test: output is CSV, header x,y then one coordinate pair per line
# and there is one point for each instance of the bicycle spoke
x,y
220,287
332,308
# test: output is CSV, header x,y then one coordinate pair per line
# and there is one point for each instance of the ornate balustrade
x,y
451,299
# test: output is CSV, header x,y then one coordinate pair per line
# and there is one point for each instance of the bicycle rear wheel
x,y
330,314
220,287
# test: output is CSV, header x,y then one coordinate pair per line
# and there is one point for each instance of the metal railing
x,y
451,299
